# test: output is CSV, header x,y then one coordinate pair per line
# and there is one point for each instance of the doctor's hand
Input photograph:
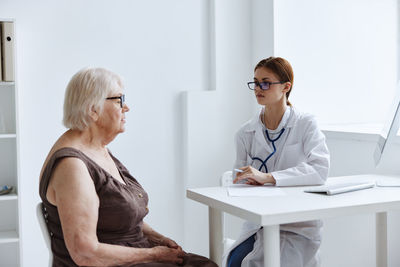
x,y
254,176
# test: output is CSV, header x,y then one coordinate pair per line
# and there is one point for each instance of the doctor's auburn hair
x,y
282,68
85,93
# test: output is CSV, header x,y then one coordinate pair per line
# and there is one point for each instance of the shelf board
x,y
362,128
5,136
6,83
8,237
356,131
7,19
11,196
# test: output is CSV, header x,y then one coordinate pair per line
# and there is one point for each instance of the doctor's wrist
x,y
269,179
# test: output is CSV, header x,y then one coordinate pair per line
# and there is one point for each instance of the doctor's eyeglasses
x,y
262,85
121,99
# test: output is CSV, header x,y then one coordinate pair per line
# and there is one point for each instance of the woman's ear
x,y
93,114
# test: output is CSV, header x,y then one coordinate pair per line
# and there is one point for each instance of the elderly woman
x,y
93,207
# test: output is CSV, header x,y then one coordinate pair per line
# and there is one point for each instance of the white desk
x,y
297,206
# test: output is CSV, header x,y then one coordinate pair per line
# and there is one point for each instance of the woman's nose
x,y
125,108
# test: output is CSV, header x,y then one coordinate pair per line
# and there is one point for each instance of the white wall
x,y
211,117
344,51
243,34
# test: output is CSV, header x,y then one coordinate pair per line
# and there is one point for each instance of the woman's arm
x,y
77,203
314,169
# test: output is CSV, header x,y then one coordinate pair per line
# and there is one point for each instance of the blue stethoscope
x,y
264,162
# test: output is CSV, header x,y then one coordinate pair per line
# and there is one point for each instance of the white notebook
x,y
339,188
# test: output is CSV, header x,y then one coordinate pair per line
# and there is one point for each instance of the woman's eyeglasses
x,y
261,85
121,99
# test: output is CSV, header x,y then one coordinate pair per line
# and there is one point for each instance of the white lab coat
x,y
302,158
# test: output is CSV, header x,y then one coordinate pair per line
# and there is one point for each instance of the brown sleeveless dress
x,y
121,211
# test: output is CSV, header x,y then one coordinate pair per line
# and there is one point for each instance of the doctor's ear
x,y
288,86
93,114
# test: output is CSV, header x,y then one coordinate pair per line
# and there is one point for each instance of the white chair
x,y
45,232
226,180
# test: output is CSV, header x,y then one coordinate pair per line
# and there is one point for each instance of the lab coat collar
x,y
256,123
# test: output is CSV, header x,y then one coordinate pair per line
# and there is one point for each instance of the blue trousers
x,y
237,254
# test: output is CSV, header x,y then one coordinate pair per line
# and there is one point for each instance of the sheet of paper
x,y
244,190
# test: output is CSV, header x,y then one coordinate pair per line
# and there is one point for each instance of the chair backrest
x,y
45,232
226,178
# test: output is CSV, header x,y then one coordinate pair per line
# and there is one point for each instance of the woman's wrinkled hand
x,y
168,255
170,243
253,176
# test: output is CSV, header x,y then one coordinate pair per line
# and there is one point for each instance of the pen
x,y
238,170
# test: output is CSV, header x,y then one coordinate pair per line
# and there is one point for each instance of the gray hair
x,y
86,91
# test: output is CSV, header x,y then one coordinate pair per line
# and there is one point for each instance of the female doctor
x,y
284,147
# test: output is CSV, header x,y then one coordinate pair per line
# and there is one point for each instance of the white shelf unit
x,y
9,204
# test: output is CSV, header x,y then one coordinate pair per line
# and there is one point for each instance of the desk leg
x,y
272,255
381,239
215,220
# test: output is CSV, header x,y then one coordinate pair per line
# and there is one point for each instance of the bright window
x,y
344,55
